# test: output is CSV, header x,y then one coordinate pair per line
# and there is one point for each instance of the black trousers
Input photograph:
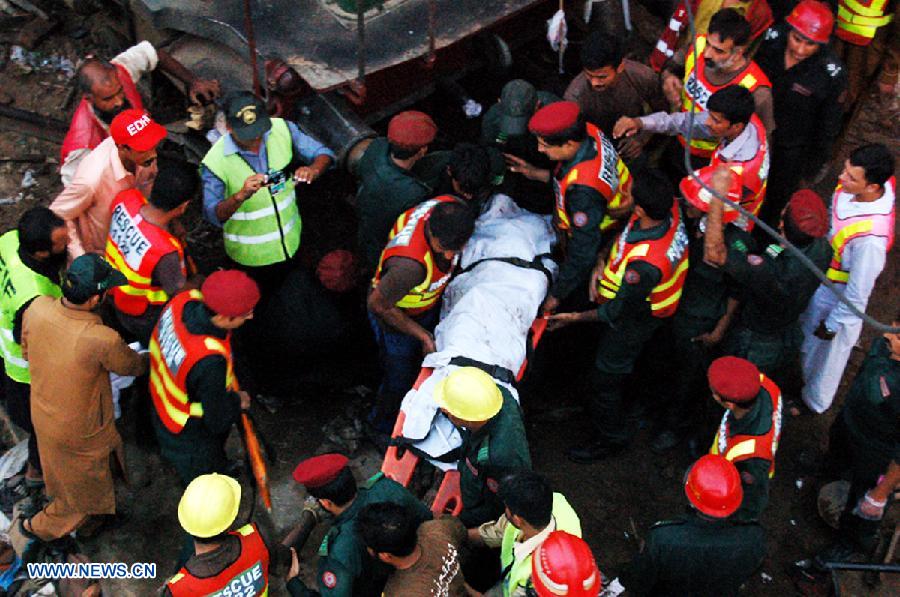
x,y
848,452
18,407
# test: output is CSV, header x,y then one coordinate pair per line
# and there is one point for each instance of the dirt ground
x,y
636,487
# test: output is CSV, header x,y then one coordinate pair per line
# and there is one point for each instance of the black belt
x,y
496,371
536,264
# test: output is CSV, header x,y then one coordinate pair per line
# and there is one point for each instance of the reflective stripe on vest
x,y
265,229
858,22
173,353
134,246
19,284
697,90
753,173
605,172
845,230
407,239
744,447
668,254
247,576
519,571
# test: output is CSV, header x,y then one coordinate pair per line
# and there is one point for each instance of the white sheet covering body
x,y
486,314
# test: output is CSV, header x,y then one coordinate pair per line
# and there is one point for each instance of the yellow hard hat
x,y
470,394
209,505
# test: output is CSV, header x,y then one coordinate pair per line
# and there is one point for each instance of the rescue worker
x,y
809,85
775,285
708,305
592,187
387,187
750,429
564,565
742,142
610,86
757,12
493,439
249,179
404,300
639,285
531,512
143,246
706,552
716,60
125,160
861,235
32,258
865,440
224,561
108,88
345,567
864,37
192,383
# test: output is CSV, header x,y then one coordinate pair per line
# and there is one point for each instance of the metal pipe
x,y
251,43
361,42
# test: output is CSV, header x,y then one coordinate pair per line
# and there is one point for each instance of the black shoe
x,y
593,451
664,442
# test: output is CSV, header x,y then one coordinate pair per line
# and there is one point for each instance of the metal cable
x,y
881,327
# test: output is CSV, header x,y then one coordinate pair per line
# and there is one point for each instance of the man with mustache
x,y
720,60
108,88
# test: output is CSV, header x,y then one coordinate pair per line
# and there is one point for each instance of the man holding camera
x,y
249,177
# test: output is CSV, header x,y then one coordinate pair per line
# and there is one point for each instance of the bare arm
x,y
225,209
402,275
199,90
765,108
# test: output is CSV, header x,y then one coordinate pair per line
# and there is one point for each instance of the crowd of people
x,y
101,285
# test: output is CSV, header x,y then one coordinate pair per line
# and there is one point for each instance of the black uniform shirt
x,y
808,97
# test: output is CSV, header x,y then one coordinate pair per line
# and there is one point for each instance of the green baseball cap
x,y
246,115
518,101
88,276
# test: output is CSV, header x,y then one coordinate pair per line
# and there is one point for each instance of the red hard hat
x,y
813,20
699,197
564,565
713,486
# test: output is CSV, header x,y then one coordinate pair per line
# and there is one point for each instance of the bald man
x,y
110,87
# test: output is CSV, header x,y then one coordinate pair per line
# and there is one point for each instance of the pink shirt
x,y
85,203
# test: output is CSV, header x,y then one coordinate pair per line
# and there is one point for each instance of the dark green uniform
x,y
532,195
775,290
865,437
627,326
345,567
703,303
586,208
696,556
199,448
754,471
487,455
385,191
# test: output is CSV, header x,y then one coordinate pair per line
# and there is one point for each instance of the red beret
x,y
807,211
554,118
411,129
734,379
230,292
319,470
337,271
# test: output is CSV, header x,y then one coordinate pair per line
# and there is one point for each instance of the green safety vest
x,y
518,572
266,228
19,284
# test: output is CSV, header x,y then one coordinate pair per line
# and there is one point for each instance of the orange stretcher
x,y
400,463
